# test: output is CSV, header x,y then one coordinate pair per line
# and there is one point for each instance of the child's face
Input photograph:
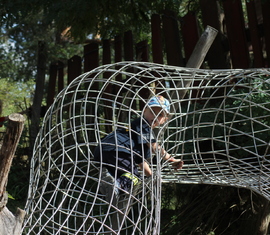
x,y
156,116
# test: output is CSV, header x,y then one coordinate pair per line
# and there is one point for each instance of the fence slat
x,y
52,84
190,33
106,54
128,46
254,35
266,27
74,68
212,16
106,59
118,43
157,51
91,56
172,39
236,33
142,51
60,76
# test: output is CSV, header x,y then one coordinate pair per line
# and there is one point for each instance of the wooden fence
x,y
173,40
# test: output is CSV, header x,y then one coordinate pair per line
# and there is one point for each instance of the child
x,y
122,150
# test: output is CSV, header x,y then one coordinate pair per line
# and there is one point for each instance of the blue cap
x,y
159,101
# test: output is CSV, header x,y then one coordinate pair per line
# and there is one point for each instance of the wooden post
x,y
91,56
254,35
52,84
172,38
106,54
156,39
266,26
142,51
106,59
39,91
212,16
74,68
118,48
128,46
235,27
60,76
118,54
9,223
190,33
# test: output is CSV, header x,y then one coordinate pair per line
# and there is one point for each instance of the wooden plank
x,y
118,43
236,33
106,52
197,57
60,76
254,35
74,68
190,33
172,39
142,51
128,46
52,84
118,48
91,56
39,91
218,52
266,27
106,59
157,51
142,55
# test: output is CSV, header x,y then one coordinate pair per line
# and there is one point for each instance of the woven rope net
x,y
219,126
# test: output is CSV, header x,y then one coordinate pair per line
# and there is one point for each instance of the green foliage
x,y
24,25
15,96
11,197
82,18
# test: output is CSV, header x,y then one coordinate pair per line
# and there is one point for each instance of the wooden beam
x,y
198,55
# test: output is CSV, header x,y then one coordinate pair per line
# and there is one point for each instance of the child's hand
x,y
177,164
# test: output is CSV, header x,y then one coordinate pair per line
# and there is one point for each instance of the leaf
x,y
10,197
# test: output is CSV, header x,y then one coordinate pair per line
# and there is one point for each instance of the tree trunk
x,y
9,224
